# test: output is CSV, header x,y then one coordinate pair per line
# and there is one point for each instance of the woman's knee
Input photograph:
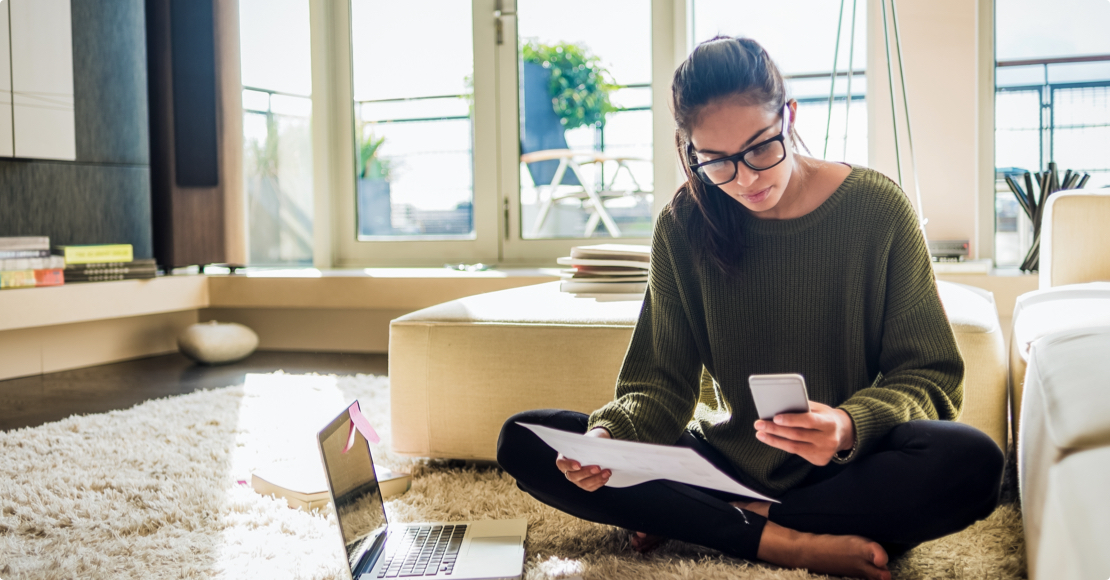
x,y
518,446
971,460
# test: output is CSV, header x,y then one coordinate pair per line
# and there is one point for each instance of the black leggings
x,y
925,480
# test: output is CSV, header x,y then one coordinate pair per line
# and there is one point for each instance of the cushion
x,y
1073,372
1044,312
974,318
1074,237
217,343
1072,545
1066,410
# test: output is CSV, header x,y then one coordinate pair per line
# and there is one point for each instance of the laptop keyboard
x,y
423,551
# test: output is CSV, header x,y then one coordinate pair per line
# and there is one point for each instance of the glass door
x,y
575,98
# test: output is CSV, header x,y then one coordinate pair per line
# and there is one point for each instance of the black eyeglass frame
x,y
739,157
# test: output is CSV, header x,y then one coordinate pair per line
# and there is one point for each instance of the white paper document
x,y
633,463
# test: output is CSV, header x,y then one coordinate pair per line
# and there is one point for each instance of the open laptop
x,y
375,548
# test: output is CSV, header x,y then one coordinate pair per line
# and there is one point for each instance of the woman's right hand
x,y
589,477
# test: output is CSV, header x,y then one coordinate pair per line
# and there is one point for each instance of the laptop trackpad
x,y
497,548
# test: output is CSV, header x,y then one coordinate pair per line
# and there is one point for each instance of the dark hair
x,y
719,68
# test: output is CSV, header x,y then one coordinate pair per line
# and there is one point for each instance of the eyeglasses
x,y
759,157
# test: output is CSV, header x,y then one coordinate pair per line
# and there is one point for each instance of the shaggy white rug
x,y
152,492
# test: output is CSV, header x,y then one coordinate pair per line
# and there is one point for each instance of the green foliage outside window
x,y
579,85
371,165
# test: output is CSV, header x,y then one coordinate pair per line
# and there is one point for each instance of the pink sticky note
x,y
359,422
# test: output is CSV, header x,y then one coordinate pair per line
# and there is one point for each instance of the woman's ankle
x,y
779,545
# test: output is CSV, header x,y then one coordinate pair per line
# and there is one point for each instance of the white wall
x,y
941,54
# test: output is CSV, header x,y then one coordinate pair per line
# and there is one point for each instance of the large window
x,y
1052,103
500,131
413,123
277,138
780,28
585,118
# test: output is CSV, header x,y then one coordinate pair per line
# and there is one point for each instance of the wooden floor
x,y
33,401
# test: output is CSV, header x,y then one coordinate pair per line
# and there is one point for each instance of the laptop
x,y
375,548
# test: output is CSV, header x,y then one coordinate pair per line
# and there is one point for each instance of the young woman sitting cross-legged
x,y
768,261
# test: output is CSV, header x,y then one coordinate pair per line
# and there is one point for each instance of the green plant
x,y
263,159
579,85
371,165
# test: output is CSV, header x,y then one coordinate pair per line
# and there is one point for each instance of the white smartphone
x,y
774,394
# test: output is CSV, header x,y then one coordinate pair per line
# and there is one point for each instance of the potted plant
x,y
578,85
565,87
374,204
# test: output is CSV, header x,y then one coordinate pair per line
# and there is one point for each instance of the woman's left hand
x,y
816,435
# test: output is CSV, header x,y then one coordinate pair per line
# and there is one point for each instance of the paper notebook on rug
x,y
376,548
304,485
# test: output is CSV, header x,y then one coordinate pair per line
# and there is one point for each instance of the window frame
x,y
498,239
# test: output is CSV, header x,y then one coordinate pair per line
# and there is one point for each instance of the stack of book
x,y
304,485
104,262
25,262
606,272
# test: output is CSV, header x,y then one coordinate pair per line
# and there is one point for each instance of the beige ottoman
x,y
1047,311
458,370
1061,478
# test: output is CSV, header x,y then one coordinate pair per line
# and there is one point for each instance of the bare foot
x,y
852,556
644,543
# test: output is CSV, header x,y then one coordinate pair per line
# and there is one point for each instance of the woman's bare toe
x,y
852,556
644,543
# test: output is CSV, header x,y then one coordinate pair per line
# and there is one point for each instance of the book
x,y
96,253
31,278
604,297
604,287
49,277
637,253
37,263
587,272
629,263
9,254
306,488
143,268
142,263
17,279
109,277
22,243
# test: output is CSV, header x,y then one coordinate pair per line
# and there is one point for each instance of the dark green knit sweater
x,y
844,295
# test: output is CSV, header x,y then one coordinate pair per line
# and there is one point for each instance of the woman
x,y
768,261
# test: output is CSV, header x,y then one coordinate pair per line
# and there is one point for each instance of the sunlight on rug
x,y
152,492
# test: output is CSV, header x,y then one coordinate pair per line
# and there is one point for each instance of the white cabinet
x,y
41,123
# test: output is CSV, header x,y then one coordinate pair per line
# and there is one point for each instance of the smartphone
x,y
774,394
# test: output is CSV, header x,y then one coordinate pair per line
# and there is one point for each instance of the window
x,y
586,153
444,170
413,122
1052,103
807,65
448,142
277,109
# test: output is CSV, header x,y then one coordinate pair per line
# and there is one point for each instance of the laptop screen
x,y
358,501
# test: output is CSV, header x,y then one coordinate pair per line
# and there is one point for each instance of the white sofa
x,y
458,370
1060,381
